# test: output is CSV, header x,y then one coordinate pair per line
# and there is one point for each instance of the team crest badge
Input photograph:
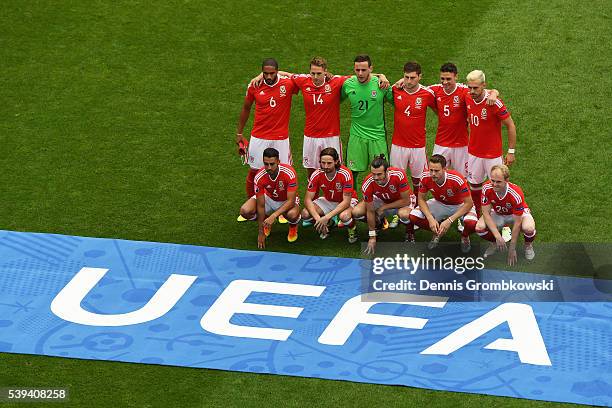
x,y
338,186
456,99
509,205
418,102
281,185
449,192
374,93
483,113
327,88
283,90
393,189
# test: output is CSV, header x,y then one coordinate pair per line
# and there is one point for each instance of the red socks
x,y
250,182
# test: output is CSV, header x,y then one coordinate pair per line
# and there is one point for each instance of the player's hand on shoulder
x,y
383,82
257,81
492,97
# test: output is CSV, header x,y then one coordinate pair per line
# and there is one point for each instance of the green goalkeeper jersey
x,y
367,113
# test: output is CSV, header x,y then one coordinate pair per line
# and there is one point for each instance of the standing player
x,y
451,201
411,100
336,182
271,123
321,93
503,203
276,195
368,137
485,145
385,192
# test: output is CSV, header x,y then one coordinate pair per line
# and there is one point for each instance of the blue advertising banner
x,y
277,313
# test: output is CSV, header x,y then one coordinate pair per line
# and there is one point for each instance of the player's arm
x,y
516,230
261,215
310,206
371,218
422,202
403,201
461,211
342,205
511,128
486,214
242,120
383,82
287,205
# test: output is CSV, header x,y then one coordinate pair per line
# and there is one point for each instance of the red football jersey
x,y
452,116
512,202
277,188
321,104
485,127
333,189
409,118
390,192
451,192
272,108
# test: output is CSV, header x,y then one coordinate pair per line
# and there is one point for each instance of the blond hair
x,y
476,76
505,171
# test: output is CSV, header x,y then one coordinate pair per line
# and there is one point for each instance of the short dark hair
x,y
271,152
439,159
363,58
269,62
412,66
380,161
449,67
333,153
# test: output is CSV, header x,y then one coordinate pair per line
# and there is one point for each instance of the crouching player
x,y
385,192
503,203
336,182
451,200
275,195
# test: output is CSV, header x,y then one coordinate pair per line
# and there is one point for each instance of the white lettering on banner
x,y
67,303
232,300
526,338
355,312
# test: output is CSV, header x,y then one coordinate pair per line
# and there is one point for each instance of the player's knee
x,y
346,215
404,213
293,214
306,214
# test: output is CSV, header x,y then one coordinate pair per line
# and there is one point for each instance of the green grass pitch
x,y
118,120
